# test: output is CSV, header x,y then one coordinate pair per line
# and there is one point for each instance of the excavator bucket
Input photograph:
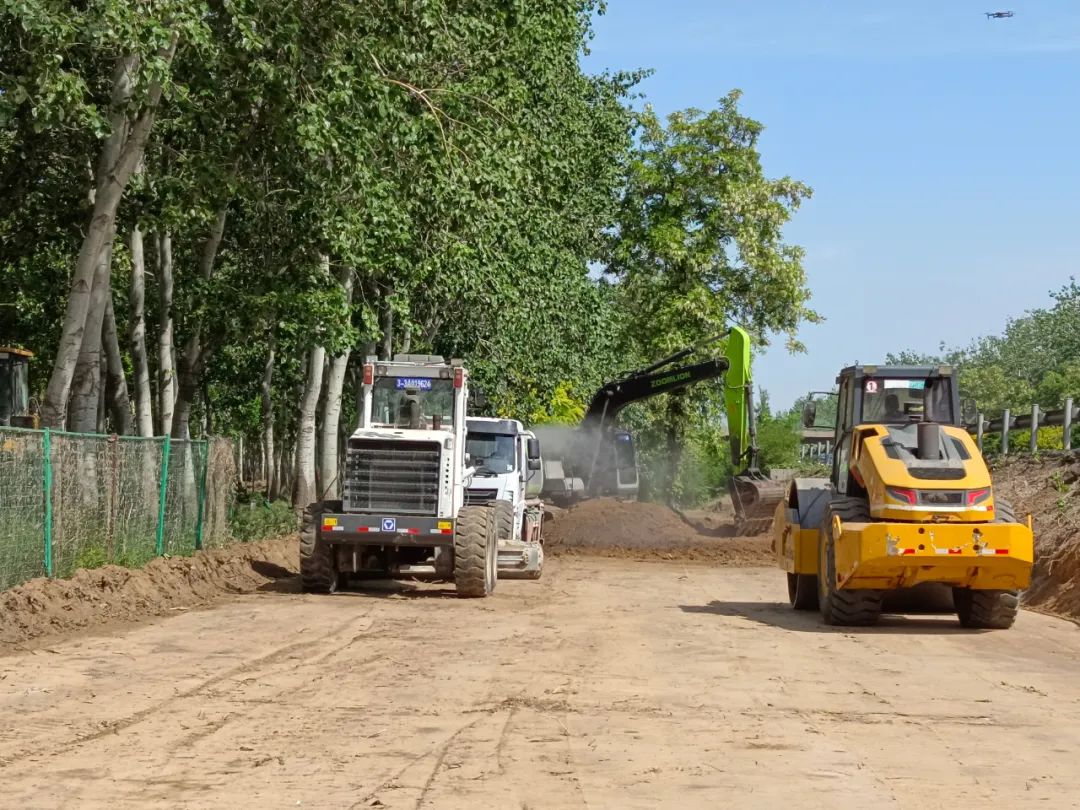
x,y
754,497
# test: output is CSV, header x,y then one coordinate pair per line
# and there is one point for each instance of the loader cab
x,y
15,408
897,396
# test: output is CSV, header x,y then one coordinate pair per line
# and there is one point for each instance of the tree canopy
x,y
214,209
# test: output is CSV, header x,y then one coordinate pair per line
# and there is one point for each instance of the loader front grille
x,y
395,477
478,496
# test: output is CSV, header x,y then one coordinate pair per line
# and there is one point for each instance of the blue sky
x,y
943,150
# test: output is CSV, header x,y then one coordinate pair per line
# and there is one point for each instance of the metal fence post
x,y
160,548
1033,445
979,430
201,496
47,484
1006,419
1066,424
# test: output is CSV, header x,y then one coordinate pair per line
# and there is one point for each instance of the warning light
x,y
459,377
369,374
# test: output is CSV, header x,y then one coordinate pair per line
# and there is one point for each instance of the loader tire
x,y
802,591
317,570
504,521
475,552
843,607
986,610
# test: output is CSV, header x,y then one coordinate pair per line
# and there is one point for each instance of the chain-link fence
x,y
72,501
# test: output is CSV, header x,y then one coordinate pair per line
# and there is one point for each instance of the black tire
x,y
802,591
989,610
317,570
504,521
986,610
475,552
1003,511
843,607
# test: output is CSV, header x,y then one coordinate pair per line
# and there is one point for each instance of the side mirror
x,y
533,451
533,464
468,459
969,411
809,414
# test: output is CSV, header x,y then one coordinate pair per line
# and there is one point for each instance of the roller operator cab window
x,y
421,403
491,453
900,401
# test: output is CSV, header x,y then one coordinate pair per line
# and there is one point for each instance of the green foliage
x,y
1034,361
261,520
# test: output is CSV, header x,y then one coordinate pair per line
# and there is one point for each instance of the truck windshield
x,y
422,403
900,401
491,453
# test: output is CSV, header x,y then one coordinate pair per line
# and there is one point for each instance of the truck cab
x,y
508,474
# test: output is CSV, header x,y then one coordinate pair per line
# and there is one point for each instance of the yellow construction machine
x,y
15,410
909,501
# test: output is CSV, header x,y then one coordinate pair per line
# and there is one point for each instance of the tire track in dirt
x,y
116,726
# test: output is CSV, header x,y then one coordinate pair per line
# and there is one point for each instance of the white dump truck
x,y
508,475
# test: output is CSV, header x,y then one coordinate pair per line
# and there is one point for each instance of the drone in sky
x,y
999,15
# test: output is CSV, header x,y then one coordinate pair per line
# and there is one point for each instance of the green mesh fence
x,y
22,513
71,501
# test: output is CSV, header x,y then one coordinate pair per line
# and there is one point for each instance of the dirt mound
x,y
610,528
1049,489
45,607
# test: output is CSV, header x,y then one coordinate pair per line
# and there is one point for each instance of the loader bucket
x,y
755,496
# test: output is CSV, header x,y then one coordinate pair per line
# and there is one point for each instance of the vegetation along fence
x,y
72,501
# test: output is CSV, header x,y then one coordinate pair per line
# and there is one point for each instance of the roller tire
x,y
317,570
475,552
990,609
802,591
986,610
846,608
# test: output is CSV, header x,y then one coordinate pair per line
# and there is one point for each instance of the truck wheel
x,y
318,573
504,521
986,610
475,551
802,591
837,606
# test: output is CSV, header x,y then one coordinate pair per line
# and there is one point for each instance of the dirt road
x,y
609,684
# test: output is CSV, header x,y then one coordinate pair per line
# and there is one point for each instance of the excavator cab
x,y
15,408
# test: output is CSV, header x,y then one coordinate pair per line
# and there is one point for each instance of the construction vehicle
x,y
598,459
509,476
404,513
909,501
15,405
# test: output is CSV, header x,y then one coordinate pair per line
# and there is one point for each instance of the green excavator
x,y
599,459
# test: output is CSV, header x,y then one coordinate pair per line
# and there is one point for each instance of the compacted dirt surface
x,y
610,683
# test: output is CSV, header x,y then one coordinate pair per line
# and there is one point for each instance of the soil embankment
x,y
1048,488
605,527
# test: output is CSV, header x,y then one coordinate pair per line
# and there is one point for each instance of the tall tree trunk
x,y
195,355
117,399
386,323
406,341
121,153
86,392
328,446
269,456
305,488
166,362
144,411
